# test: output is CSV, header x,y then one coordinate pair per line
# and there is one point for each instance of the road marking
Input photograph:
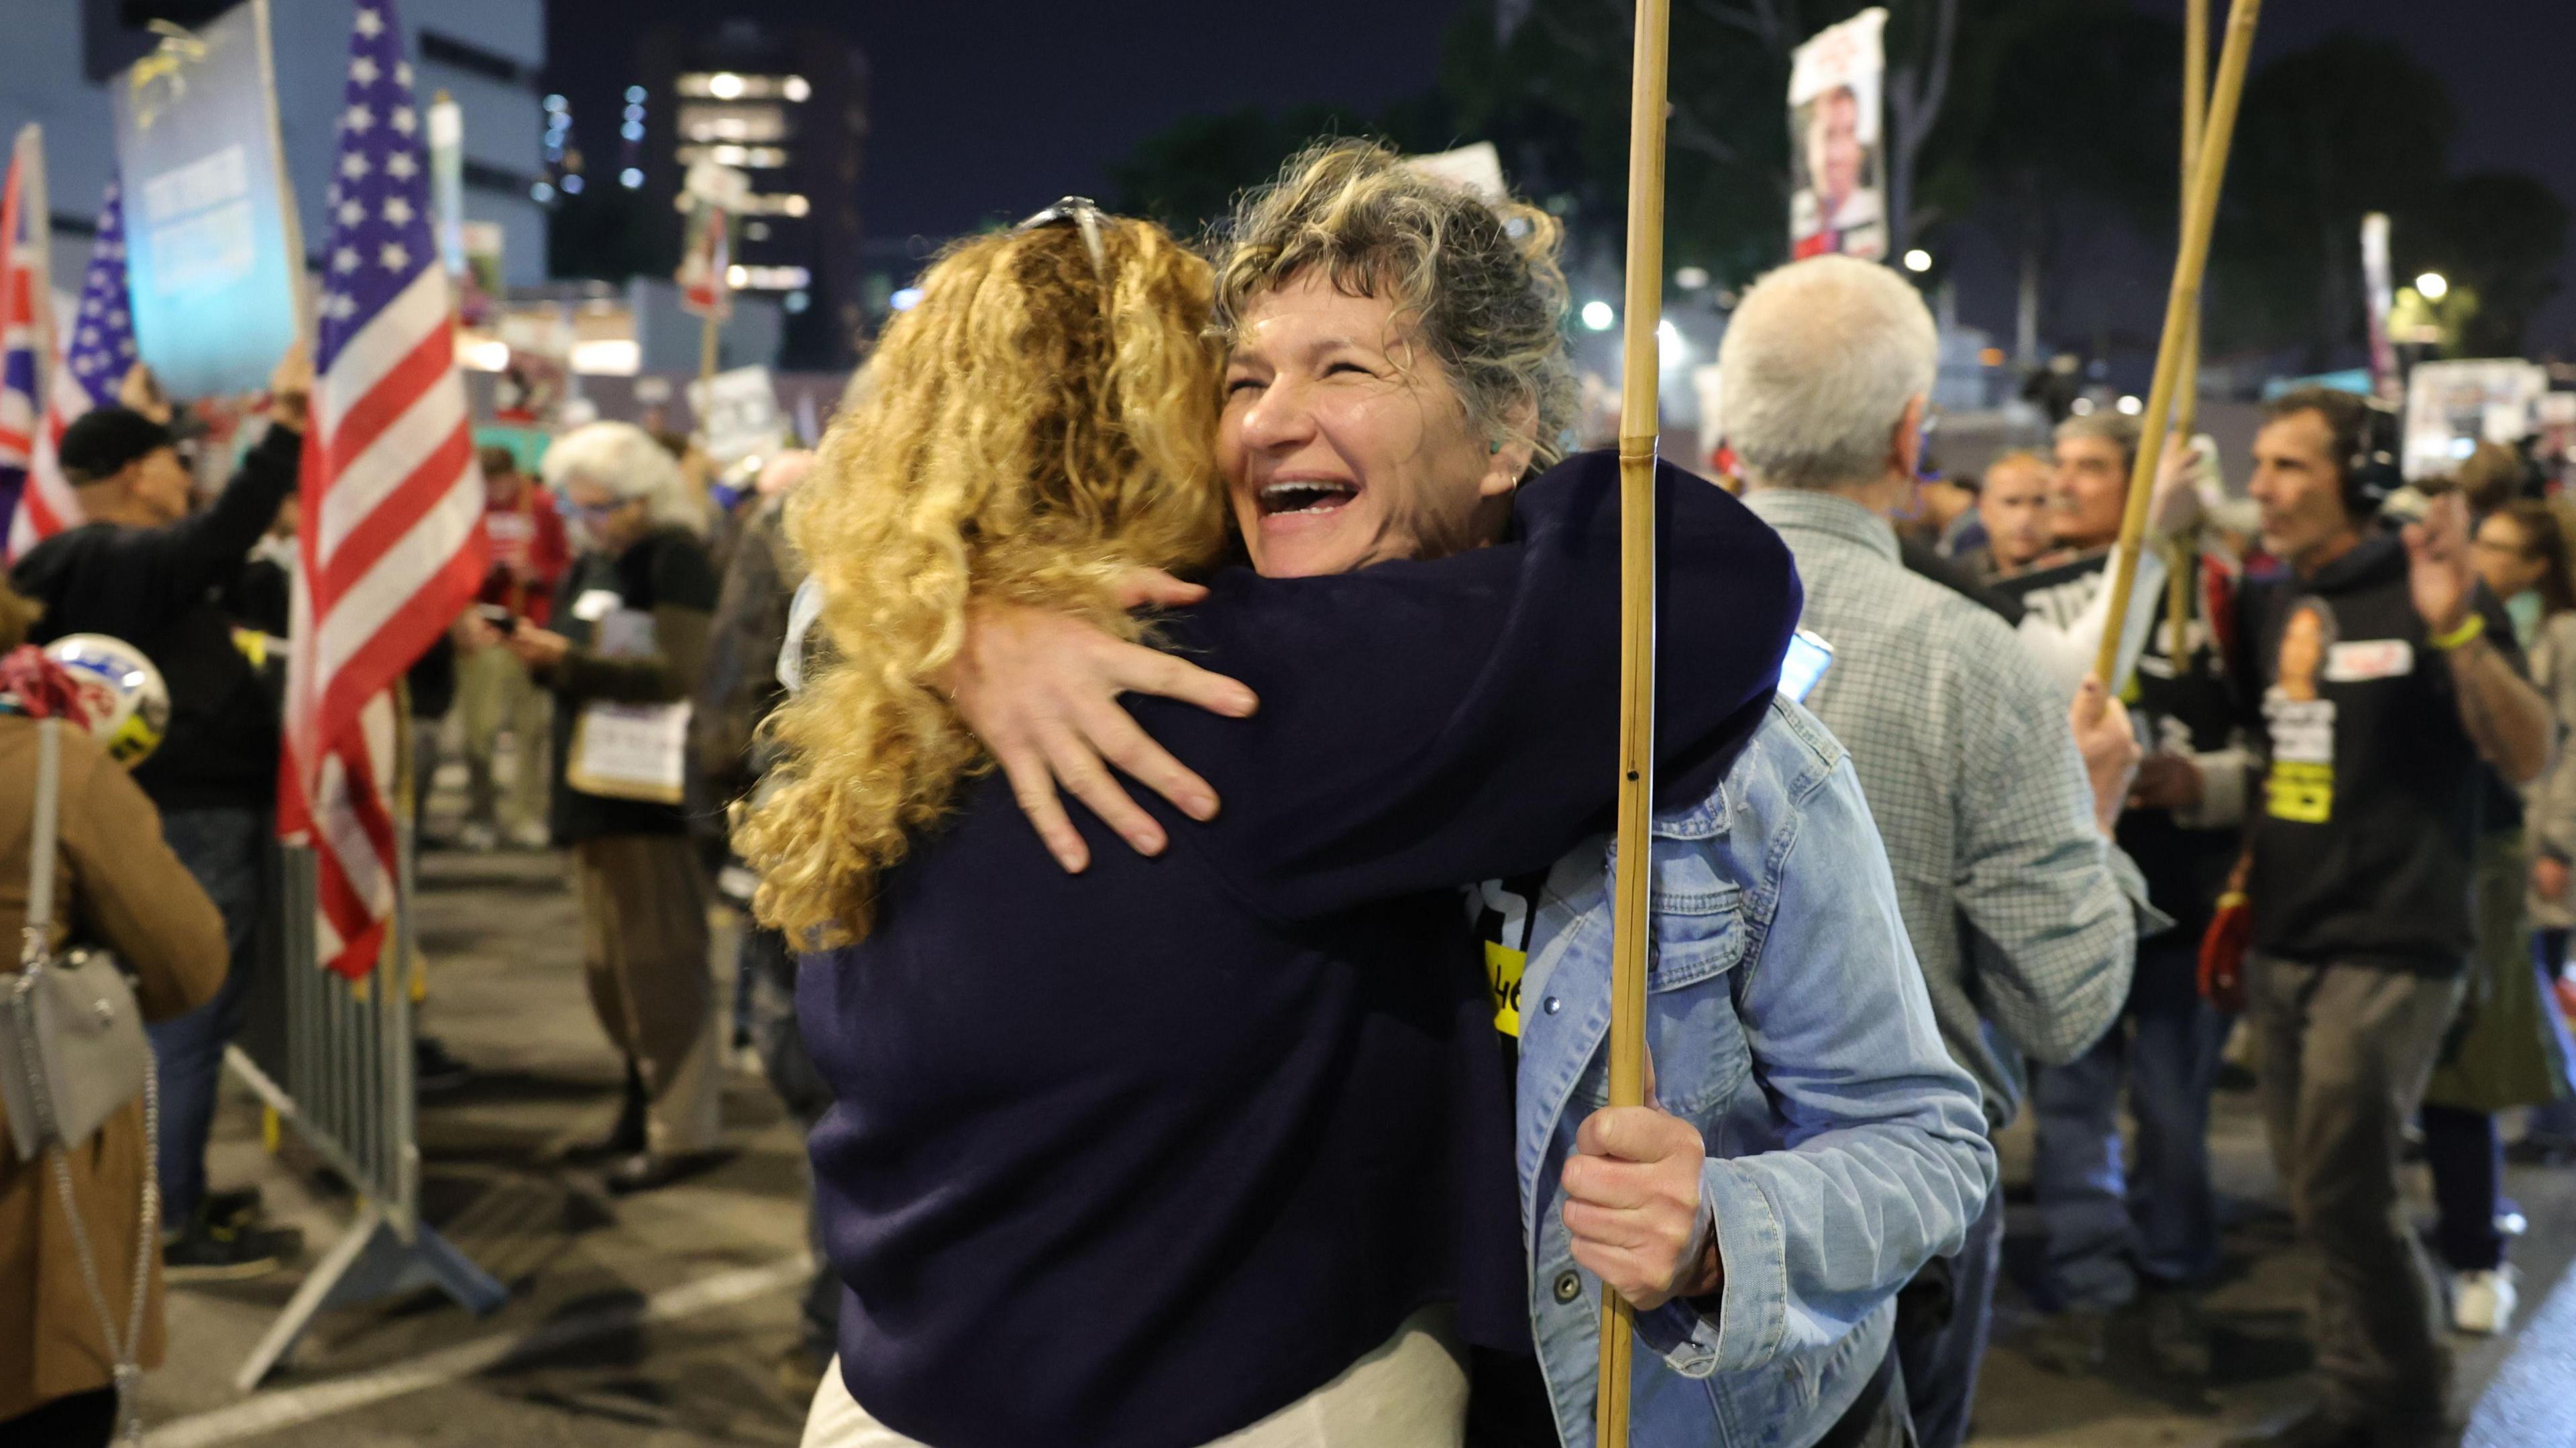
x,y
265,1413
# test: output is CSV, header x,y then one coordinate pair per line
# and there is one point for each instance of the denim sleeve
x,y
1884,1158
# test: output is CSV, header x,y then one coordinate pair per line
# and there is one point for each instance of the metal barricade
x,y
349,1094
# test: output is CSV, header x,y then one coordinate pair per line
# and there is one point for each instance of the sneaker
x,y
233,1208
532,837
2483,1302
212,1252
478,837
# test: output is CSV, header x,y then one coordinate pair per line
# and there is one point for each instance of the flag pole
x,y
1638,427
2199,216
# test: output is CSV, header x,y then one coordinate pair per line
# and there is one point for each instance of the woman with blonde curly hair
x,y
1211,1144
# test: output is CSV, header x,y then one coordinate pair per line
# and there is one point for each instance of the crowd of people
x,y
1255,1094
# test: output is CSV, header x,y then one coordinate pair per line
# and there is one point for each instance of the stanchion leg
x,y
371,1261
315,1293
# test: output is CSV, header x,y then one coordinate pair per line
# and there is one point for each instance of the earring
x,y
1494,448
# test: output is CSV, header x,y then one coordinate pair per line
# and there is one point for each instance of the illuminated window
x,y
705,122
752,157
726,85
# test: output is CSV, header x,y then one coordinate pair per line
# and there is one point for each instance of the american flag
x,y
392,540
92,364
24,238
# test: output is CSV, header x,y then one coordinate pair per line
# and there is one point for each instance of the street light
x,y
1918,260
2433,286
1599,317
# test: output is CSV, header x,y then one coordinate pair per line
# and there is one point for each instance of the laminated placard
x,y
630,751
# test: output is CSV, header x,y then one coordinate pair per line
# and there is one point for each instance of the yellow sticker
x,y
2303,792
1503,967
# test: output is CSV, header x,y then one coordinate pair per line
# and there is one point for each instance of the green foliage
x,y
2051,115
2498,236
2348,126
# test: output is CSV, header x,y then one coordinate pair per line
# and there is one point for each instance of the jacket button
x,y
1569,1286
1552,1004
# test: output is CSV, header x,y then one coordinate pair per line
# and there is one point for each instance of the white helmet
x,y
127,703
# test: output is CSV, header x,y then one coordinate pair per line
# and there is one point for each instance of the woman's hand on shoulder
x,y
1041,690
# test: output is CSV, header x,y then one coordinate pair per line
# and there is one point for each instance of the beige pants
x,y
493,693
644,957
1409,1393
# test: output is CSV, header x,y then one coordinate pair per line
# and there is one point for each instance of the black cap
x,y
100,442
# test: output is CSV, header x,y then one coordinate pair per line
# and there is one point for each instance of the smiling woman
x,y
1396,362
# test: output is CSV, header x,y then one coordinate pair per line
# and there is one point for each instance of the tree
x,y
2348,126
2498,236
1187,176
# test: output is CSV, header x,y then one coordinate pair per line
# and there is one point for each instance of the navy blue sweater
x,y
1137,1157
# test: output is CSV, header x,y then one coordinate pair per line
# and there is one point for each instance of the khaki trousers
x,y
2346,1050
1409,1393
494,692
644,957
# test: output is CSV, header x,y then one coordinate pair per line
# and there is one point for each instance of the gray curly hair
x,y
1479,280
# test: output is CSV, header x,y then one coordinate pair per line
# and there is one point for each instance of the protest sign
x,y
738,414
1837,152
212,244
2451,407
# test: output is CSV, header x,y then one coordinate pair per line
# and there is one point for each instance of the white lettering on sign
x,y
210,249
209,180
2363,660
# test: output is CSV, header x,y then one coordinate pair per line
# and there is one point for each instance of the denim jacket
x,y
1787,1019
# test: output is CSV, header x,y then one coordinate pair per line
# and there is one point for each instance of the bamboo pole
x,y
2182,571
1640,372
2198,218
2195,124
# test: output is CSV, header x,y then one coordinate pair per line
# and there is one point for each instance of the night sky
x,y
986,109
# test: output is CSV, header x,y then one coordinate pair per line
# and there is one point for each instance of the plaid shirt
x,y
2022,913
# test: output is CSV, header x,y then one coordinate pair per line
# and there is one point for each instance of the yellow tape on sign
x,y
1503,967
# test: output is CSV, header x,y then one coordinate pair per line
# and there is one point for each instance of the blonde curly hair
x,y
1025,432
1479,280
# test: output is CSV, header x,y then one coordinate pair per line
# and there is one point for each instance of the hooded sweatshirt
x,y
2372,799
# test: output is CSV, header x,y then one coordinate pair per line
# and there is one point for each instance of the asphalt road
x,y
663,1320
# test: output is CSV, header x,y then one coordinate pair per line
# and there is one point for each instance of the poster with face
x,y
1837,156
2451,407
2301,720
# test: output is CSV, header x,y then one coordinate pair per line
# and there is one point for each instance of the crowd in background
x,y
2386,918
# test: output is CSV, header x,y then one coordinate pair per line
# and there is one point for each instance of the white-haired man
x,y
1996,810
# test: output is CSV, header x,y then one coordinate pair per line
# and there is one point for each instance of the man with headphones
x,y
2383,679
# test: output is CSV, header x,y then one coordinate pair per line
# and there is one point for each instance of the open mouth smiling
x,y
1305,495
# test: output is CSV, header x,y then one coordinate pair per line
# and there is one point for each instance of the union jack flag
x,y
25,301
391,541
88,367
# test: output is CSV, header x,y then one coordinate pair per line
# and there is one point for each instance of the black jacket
x,y
160,589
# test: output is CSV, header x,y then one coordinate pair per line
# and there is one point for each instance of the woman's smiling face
x,y
1344,443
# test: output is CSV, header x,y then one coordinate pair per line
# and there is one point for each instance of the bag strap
x,y
37,941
